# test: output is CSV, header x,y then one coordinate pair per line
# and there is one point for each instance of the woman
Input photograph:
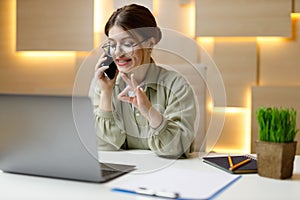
x,y
144,106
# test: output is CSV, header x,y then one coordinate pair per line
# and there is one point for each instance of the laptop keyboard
x,y
111,170
106,172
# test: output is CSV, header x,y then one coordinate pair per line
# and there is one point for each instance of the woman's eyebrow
x,y
122,39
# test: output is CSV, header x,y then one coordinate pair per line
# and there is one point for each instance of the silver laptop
x,y
52,136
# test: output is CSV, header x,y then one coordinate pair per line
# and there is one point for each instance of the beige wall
x,y
21,73
244,60
243,18
250,56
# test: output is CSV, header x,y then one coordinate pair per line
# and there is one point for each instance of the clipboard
x,y
175,183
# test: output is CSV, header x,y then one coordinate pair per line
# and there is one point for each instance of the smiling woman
x,y
143,106
127,50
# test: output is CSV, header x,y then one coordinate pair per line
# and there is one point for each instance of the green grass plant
x,y
276,124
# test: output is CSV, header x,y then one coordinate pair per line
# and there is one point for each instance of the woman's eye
x,y
128,44
113,46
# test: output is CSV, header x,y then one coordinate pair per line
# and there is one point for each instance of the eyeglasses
x,y
127,48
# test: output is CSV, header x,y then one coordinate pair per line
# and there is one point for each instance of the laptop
x,y
52,136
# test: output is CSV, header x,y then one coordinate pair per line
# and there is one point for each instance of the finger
x,y
140,91
126,99
126,79
142,99
133,81
103,55
100,61
140,95
100,72
123,97
134,101
124,92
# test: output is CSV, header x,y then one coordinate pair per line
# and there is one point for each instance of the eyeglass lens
x,y
126,48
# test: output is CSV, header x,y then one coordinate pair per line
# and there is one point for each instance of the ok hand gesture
x,y
135,95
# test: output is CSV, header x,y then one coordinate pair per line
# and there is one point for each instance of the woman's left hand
x,y
138,97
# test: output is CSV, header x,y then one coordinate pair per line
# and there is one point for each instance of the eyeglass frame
x,y
107,52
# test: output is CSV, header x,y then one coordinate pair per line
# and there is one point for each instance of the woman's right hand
x,y
103,81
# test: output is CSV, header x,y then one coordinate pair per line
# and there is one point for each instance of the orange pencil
x,y
239,164
230,161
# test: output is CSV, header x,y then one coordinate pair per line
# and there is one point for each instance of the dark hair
x,y
135,17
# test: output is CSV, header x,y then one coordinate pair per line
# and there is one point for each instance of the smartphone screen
x,y
111,71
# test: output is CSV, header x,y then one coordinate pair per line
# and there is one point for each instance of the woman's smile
x,y
123,62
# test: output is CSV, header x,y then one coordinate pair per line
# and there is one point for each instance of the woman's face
x,y
121,40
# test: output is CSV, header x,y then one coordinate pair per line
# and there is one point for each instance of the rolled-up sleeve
x,y
110,136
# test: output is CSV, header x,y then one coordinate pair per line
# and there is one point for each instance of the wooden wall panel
x,y
233,137
243,18
176,16
85,71
296,6
37,75
175,48
237,62
279,60
274,96
41,73
7,31
121,3
57,25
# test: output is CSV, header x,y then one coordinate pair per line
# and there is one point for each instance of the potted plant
x,y
276,147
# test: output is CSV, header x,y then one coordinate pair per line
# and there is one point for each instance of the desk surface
x,y
249,186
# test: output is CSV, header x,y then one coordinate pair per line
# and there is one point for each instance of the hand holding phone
x,y
111,71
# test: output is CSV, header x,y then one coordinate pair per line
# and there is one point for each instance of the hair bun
x,y
136,18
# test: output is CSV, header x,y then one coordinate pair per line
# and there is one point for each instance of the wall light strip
x,y
97,16
271,39
155,6
13,23
192,19
295,15
230,109
205,39
46,53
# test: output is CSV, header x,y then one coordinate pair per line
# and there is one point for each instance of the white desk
x,y
250,186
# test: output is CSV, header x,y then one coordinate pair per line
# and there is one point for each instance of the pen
x,y
239,164
230,161
149,192
164,194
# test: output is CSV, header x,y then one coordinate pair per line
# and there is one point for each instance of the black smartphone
x,y
111,71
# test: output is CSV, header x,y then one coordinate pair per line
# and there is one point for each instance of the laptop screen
x,y
49,136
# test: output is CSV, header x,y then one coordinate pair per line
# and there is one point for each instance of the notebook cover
x,y
221,162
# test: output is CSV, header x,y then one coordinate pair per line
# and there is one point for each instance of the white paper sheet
x,y
190,184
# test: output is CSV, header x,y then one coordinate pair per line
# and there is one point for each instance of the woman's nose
x,y
119,51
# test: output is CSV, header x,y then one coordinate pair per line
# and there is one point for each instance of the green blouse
x,y
126,128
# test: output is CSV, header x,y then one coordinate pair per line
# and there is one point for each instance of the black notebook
x,y
222,162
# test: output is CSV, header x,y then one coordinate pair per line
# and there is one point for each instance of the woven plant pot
x,y
275,160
